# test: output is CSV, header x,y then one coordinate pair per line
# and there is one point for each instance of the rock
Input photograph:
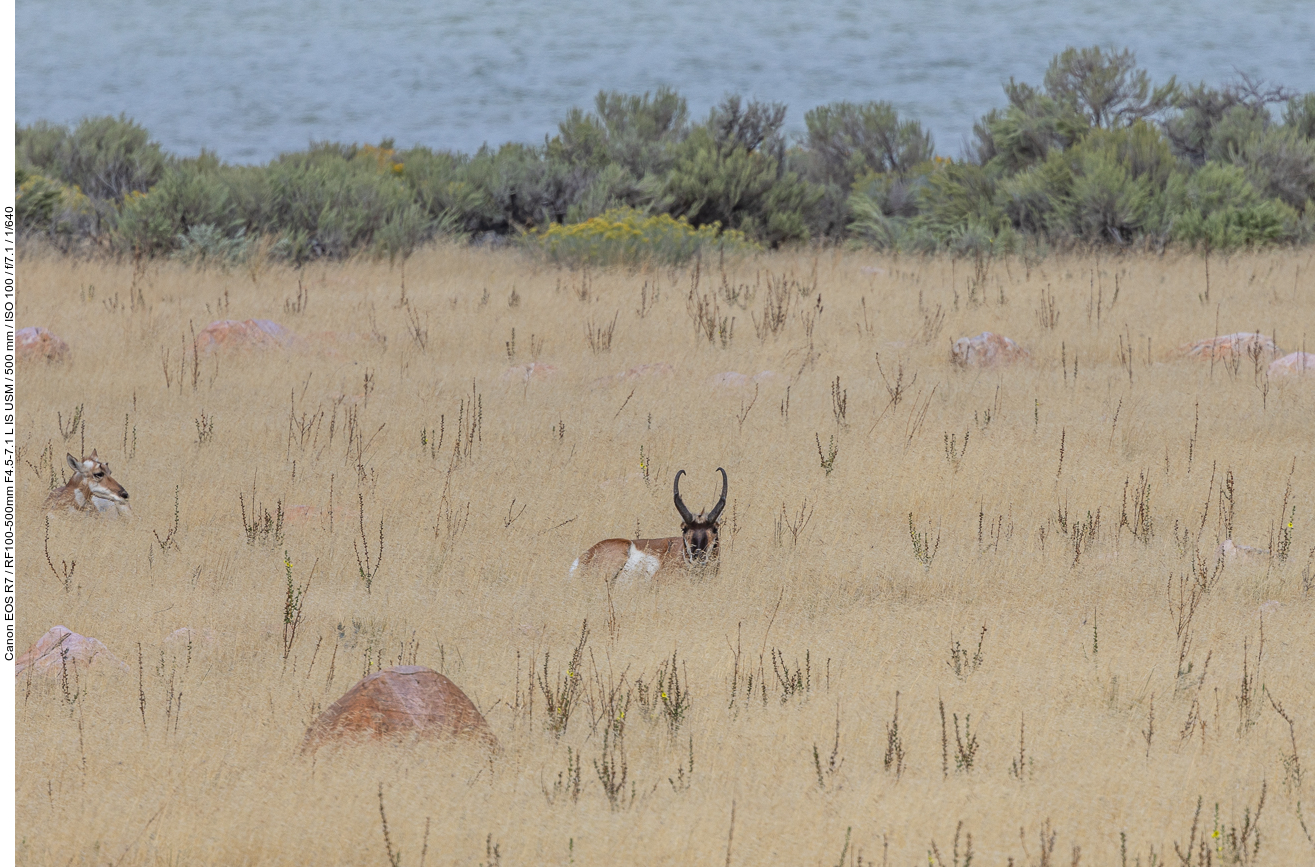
x,y
401,702
1294,363
987,349
660,368
61,646
299,514
1243,344
35,343
642,371
1240,553
231,334
527,372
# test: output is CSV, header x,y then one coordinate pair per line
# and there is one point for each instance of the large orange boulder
x,y
1243,344
35,343
401,702
60,648
227,334
987,349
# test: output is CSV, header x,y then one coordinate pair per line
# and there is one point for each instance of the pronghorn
x,y
92,489
624,559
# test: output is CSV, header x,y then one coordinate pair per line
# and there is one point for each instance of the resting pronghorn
x,y
92,489
624,559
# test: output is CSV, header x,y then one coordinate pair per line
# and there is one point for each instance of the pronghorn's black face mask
x,y
700,531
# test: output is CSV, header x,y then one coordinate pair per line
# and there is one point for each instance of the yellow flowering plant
x,y
625,236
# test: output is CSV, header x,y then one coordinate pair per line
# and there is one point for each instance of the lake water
x,y
252,79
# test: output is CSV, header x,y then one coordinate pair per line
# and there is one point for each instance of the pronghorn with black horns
x,y
92,489
626,559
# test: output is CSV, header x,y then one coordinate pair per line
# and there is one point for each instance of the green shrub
x,y
1107,202
107,158
195,193
48,207
1106,87
441,186
37,147
1281,164
204,245
1212,124
628,237
1300,115
957,195
636,133
333,200
729,171
36,198
1216,207
1238,126
1035,200
881,208
1077,159
848,140
1025,133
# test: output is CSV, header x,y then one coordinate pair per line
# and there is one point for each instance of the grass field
x,y
1022,559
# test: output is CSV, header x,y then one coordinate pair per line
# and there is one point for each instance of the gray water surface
x,y
250,80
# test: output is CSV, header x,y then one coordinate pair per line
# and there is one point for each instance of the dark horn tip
x,y
680,504
721,504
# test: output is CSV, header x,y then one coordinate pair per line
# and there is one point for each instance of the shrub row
x,y
1096,154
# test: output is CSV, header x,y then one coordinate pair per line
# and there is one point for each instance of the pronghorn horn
x,y
680,504
721,504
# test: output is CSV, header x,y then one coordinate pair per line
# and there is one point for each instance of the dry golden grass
x,y
1082,646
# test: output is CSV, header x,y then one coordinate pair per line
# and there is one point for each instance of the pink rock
x,y
60,648
1243,553
642,371
229,334
531,371
299,514
1293,363
987,349
1243,344
35,343
405,701
660,368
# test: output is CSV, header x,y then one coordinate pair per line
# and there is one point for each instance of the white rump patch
x,y
640,563
574,566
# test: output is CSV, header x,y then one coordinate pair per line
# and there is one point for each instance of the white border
x,y
8,838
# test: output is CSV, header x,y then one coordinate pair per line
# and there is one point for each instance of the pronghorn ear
x,y
73,462
94,456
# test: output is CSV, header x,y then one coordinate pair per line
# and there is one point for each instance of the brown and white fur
x,y
622,560
92,489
